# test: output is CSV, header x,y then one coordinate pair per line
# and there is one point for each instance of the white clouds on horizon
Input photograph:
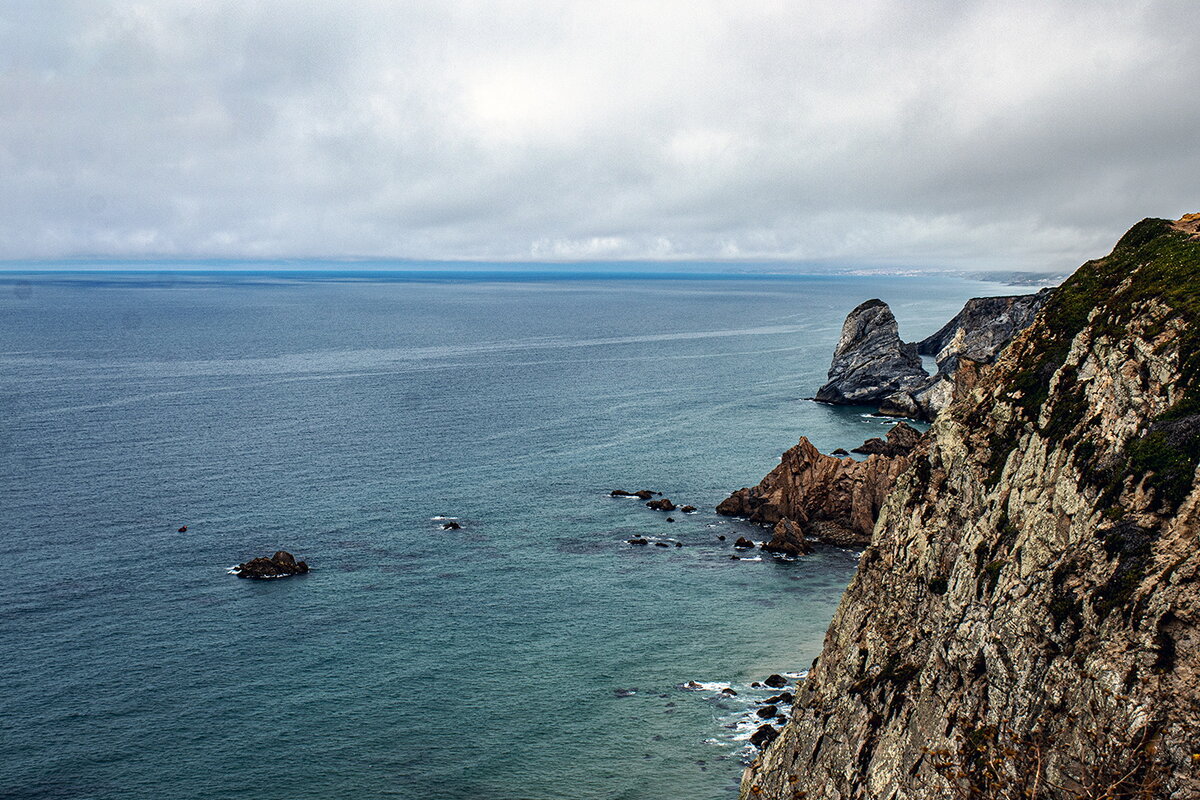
x,y
1016,135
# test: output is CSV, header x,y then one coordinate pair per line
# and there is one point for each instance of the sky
x,y
963,135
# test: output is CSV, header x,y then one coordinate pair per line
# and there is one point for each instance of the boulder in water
x,y
281,565
762,737
787,539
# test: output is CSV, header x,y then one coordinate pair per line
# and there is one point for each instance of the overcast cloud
x,y
1021,135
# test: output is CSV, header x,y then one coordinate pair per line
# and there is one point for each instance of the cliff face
x,y
975,335
1026,615
983,328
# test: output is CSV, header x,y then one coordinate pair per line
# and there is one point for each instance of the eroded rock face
x,y
982,329
870,361
281,565
975,335
1030,590
834,499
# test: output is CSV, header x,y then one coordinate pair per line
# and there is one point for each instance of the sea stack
x,y
871,361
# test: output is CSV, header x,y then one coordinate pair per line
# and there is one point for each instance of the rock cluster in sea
x,y
810,494
281,565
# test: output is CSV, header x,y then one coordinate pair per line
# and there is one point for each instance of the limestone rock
x,y
870,361
982,329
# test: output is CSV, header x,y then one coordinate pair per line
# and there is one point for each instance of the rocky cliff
x,y
1024,622
975,335
984,327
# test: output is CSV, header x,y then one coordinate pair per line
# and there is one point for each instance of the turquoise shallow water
x,y
532,655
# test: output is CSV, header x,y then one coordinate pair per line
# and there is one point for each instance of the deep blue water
x,y
336,418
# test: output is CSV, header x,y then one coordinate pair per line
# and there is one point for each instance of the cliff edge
x,y
1025,619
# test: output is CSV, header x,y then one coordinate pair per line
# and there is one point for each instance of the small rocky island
x,y
281,565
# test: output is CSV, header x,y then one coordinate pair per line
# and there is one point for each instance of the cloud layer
x,y
1015,135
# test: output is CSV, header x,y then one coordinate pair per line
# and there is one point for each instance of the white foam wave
x,y
711,686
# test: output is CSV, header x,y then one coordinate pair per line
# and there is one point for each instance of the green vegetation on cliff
x,y
1153,262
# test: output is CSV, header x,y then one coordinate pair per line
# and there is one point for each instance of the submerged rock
x,y
281,565
638,540
451,526
870,361
641,494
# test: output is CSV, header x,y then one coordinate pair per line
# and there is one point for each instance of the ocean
x,y
531,655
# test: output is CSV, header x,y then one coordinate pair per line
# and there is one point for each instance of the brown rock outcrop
x,y
788,539
834,499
